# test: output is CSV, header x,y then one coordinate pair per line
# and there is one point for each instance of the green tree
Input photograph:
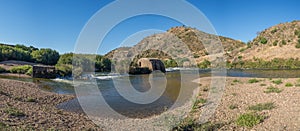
x,y
45,56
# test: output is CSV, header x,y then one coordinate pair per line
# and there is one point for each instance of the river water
x,y
173,83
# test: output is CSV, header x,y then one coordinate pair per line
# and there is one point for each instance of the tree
x,y
45,56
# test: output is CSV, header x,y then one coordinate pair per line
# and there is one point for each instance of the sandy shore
x,y
24,106
240,94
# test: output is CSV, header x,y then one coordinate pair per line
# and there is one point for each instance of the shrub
x,y
20,69
263,40
283,42
198,101
204,64
2,70
235,81
189,124
196,56
298,44
274,31
29,72
275,43
233,106
243,49
262,106
277,82
253,81
272,90
249,119
263,84
31,100
297,33
289,85
14,112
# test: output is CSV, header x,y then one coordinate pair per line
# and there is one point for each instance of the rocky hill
x,y
193,40
279,41
276,47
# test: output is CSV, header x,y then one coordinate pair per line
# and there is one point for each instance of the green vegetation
x,y
277,82
29,72
21,69
243,49
170,63
62,63
253,81
297,33
233,106
31,100
274,31
3,125
283,42
29,54
272,89
276,63
263,40
236,81
81,63
298,44
262,106
289,85
275,43
249,119
189,124
17,52
204,64
45,56
2,70
263,84
197,102
14,112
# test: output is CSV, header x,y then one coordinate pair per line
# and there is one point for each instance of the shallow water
x,y
174,84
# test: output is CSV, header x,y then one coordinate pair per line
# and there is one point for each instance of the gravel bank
x,y
24,106
240,94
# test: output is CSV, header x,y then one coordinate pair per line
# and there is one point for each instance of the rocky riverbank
x,y
24,106
275,101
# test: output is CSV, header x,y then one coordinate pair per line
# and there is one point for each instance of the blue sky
x,y
57,23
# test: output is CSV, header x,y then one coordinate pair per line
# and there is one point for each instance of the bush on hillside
x,y
204,64
298,44
263,40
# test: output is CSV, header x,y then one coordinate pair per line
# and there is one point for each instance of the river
x,y
106,84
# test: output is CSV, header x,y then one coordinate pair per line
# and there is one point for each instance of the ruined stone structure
x,y
41,71
152,64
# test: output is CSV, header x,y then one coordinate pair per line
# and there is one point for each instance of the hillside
x,y
171,43
279,41
274,48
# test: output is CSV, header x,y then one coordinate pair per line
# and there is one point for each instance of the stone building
x,y
42,71
152,64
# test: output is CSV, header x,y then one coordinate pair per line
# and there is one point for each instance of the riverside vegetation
x,y
63,63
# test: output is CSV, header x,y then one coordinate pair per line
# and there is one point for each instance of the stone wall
x,y
47,72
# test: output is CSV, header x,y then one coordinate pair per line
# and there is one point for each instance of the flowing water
x,y
106,84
